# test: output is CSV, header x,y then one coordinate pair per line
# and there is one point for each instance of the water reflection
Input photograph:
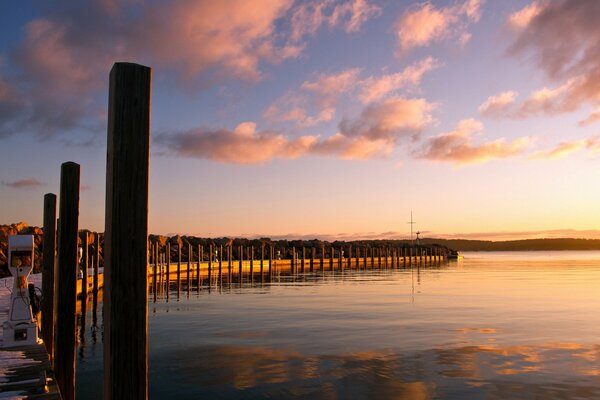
x,y
514,327
467,372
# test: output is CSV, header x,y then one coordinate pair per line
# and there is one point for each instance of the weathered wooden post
x,y
322,260
83,236
303,258
271,260
312,258
155,280
350,256
168,256
96,262
262,258
66,288
293,263
179,243
198,266
210,258
251,262
127,172
331,258
241,255
48,278
221,262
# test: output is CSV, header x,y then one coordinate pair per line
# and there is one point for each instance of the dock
x,y
27,373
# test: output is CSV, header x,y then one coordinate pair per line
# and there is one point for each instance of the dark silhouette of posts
x,y
125,241
322,260
293,263
96,262
84,263
303,258
66,288
48,281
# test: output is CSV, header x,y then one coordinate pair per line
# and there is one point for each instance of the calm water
x,y
492,326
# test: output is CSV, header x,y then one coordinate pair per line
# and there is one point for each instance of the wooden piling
x,y
66,288
127,173
303,258
83,236
293,262
322,260
48,277
96,263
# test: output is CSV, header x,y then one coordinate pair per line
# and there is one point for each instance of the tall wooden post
x,y
251,262
64,350
179,264
262,258
84,262
168,256
96,262
48,275
210,258
189,264
331,258
293,263
220,262
241,255
271,259
303,258
312,259
127,173
322,260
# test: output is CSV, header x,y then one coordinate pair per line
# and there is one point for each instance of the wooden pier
x,y
28,373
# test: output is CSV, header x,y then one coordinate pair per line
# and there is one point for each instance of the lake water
x,y
504,325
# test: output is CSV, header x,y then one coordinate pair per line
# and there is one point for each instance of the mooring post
x,y
64,349
312,259
293,263
48,281
271,260
322,258
155,280
251,262
127,173
179,243
241,255
168,256
220,262
303,258
83,236
96,262
210,257
331,258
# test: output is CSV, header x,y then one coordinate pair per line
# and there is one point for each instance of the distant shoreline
x,y
560,244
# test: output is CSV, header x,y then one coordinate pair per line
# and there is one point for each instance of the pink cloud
x,y
459,148
373,134
309,16
561,38
522,18
23,183
321,93
499,104
376,87
243,145
425,24
561,150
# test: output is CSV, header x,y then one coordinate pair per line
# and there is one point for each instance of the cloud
x,y
499,104
561,38
320,94
521,19
59,69
23,183
378,129
425,24
590,119
563,149
377,87
309,16
457,146
317,99
373,134
243,145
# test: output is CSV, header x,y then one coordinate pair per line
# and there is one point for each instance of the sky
x,y
322,118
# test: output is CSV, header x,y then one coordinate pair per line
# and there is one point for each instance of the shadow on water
x,y
306,335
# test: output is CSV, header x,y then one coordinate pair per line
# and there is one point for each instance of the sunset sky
x,y
316,118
